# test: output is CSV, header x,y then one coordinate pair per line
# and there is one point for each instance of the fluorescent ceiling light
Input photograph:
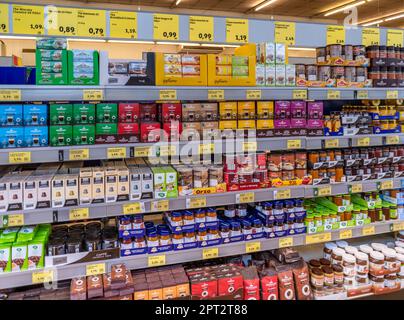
x,y
178,43
18,37
301,49
264,4
87,40
219,45
130,41
177,2
349,6
372,23
395,17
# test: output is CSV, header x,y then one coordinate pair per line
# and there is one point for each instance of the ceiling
x,y
309,9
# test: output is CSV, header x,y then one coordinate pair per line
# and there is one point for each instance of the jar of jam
x,y
235,229
393,212
213,234
176,219
202,235
137,222
139,242
189,237
317,278
225,230
152,239
278,208
211,215
267,208
126,243
338,274
177,238
230,211
199,216
125,223
164,237
188,217
241,210
257,226
386,212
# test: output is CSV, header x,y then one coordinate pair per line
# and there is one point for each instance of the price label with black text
x,y
123,24
165,26
236,30
28,19
201,29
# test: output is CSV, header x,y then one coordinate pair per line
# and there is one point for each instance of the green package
x,y
19,256
9,235
51,72
171,182
61,113
26,233
60,135
83,113
36,253
160,188
106,129
107,113
5,258
239,61
240,71
83,68
84,134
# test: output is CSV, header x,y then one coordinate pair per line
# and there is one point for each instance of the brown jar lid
x,y
327,270
325,262
314,263
317,272
337,268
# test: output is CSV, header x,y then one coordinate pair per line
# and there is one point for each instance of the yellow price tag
x,y
143,151
398,226
192,203
368,231
160,206
250,146
133,208
123,24
165,27
363,142
282,194
169,150
61,21
245,197
285,242
79,214
28,19
345,234
79,154
10,95
156,261
168,94
299,94
356,188
294,144
395,38
215,94
253,94
387,185
91,95
15,220
335,35
91,23
210,253
392,94
116,153
251,247
42,276
331,143
4,18
370,36
324,191
236,30
363,94
206,148
201,29
392,140
19,157
333,94
285,32
318,238
95,269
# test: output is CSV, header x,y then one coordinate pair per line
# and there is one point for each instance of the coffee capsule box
x,y
61,136
35,115
11,137
107,113
11,115
83,113
84,134
61,114
36,136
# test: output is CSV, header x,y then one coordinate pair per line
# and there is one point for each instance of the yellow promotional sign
x,y
345,234
79,214
335,35
236,30
285,242
19,157
4,27
201,29
294,144
79,154
318,238
42,276
370,36
95,269
166,27
123,24
285,32
15,220
300,94
216,94
116,153
91,23
156,261
10,95
61,21
395,38
210,253
282,194
252,247
332,143
28,19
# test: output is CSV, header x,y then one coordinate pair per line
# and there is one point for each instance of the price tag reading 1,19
x,y
116,153
331,143
95,269
294,144
160,206
210,253
251,247
236,30
245,197
165,27
133,208
285,242
10,95
253,94
201,29
44,276
299,94
368,231
215,94
19,157
156,261
168,94
192,203
364,142
123,24
79,154
318,238
93,95
79,214
345,234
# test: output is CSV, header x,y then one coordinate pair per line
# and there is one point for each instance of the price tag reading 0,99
x,y
165,27
201,28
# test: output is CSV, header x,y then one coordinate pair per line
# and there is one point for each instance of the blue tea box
x,y
11,115
11,137
36,136
35,114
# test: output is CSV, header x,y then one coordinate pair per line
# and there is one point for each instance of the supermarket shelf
x,y
100,152
96,211
19,279
152,93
